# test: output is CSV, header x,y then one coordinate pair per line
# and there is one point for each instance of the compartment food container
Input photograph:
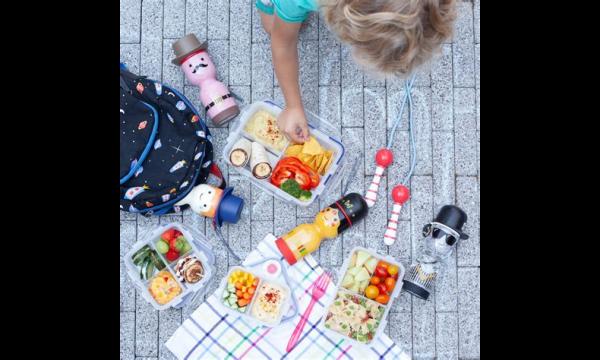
x,y
247,314
199,249
319,128
341,290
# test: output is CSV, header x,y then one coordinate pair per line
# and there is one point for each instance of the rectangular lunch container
x,y
285,306
340,289
199,249
319,128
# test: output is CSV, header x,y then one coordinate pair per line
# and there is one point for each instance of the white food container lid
x,y
190,292
319,128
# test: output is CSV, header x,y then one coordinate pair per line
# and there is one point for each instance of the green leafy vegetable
x,y
292,187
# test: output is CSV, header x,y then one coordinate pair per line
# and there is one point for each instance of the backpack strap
x,y
214,169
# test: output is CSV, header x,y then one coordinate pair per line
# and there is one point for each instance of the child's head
x,y
390,36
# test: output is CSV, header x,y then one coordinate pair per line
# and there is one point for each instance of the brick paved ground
x,y
447,132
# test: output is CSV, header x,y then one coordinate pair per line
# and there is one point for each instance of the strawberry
x,y
168,235
172,255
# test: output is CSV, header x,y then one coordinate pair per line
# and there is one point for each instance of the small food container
x,y
353,301
264,300
170,278
319,128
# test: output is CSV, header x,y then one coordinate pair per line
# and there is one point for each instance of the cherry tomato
x,y
239,293
371,292
382,288
390,283
381,272
395,276
172,255
383,264
392,270
382,299
375,280
246,296
242,302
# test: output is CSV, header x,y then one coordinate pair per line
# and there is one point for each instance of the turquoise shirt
x,y
288,10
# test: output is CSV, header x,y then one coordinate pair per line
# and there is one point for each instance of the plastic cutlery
x,y
319,289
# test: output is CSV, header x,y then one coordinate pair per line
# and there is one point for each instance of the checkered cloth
x,y
211,333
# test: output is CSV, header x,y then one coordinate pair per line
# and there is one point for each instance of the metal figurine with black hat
x,y
440,239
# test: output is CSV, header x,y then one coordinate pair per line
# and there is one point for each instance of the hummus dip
x,y
268,302
263,127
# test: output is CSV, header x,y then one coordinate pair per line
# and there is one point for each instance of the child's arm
x,y
284,40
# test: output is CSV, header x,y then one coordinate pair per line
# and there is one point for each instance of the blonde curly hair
x,y
390,36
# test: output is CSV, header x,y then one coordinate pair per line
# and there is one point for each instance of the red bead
x,y
384,157
400,194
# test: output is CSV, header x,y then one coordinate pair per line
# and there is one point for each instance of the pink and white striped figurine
x,y
400,195
383,159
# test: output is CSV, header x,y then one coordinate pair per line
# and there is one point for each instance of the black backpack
x,y
166,147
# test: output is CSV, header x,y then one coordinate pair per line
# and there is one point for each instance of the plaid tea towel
x,y
212,333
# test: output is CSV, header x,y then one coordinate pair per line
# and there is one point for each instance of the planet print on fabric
x,y
131,193
171,94
185,183
157,144
170,118
206,164
178,165
198,155
142,125
133,163
201,133
149,204
166,197
195,118
122,111
158,87
139,171
140,88
173,191
180,105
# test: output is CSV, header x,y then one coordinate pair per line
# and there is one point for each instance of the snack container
x,y
340,289
263,278
319,128
189,292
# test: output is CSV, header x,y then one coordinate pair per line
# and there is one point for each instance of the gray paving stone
x,y
130,56
259,35
352,75
423,329
262,72
221,257
124,215
469,336
375,126
422,129
376,221
403,304
129,21
446,335
476,22
443,169
151,39
240,42
219,53
174,24
308,55
352,106
284,218
446,286
196,14
259,230
477,86
330,107
442,91
463,53
238,233
127,335
400,330
329,62
218,20
478,155
467,198
401,249
244,92
219,139
169,321
469,284
421,208
127,239
355,236
171,73
310,28
465,127
146,328
262,204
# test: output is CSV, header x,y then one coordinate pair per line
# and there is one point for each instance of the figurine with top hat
x,y
192,56
215,203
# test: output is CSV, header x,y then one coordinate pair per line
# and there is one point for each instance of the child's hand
x,y
292,122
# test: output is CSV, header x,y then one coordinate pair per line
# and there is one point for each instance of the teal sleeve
x,y
264,8
292,11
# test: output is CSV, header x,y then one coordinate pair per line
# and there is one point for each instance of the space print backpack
x,y
166,147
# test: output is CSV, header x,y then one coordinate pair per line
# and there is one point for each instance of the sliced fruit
x,y
348,281
355,287
362,257
371,292
353,260
243,302
362,275
353,270
371,264
169,234
363,285
180,244
162,247
172,255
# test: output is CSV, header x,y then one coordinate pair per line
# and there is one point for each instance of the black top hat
x,y
454,218
185,46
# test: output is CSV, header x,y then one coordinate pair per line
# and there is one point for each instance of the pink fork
x,y
319,289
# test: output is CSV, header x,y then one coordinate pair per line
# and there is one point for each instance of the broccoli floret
x,y
292,187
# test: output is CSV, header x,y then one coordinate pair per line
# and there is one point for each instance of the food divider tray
x,y
339,288
200,249
319,128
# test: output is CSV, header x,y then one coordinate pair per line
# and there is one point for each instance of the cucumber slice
x,y
149,269
225,294
242,309
231,288
235,306
143,266
157,262
140,255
